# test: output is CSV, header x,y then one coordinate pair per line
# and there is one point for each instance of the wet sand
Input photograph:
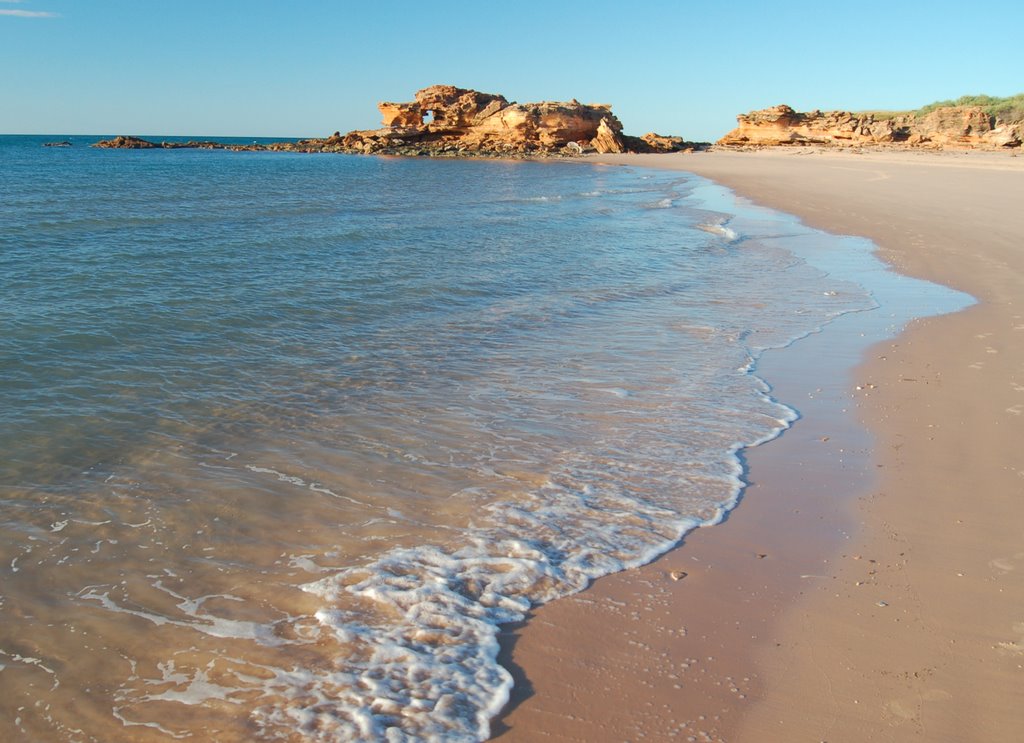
x,y
870,586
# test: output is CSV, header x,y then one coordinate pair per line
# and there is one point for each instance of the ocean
x,y
286,438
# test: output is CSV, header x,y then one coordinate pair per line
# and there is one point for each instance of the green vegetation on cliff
x,y
1007,110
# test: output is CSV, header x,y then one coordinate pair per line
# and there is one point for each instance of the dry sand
x,y
870,586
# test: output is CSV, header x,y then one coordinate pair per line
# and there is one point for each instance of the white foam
x,y
34,662
299,482
306,563
720,229
194,617
189,689
116,711
451,603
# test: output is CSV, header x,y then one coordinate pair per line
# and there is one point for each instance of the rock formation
x,y
127,143
967,127
137,143
447,121
444,117
652,142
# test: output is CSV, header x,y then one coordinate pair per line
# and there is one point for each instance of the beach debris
x,y
762,555
882,604
677,574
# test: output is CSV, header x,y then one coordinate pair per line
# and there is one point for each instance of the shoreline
x,y
896,621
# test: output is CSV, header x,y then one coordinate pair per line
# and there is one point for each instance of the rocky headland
x,y
945,128
445,121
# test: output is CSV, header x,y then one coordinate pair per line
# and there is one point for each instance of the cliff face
x,y
447,121
945,128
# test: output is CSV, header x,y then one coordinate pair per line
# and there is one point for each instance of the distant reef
x,y
445,121
936,128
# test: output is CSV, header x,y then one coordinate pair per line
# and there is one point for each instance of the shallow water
x,y
287,436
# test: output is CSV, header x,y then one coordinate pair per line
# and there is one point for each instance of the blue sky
x,y
310,67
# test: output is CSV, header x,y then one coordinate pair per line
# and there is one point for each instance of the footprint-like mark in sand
x,y
909,708
1006,564
903,709
1001,564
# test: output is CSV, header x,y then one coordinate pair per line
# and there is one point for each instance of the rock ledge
x,y
953,127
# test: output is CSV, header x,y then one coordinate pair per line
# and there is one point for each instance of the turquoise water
x,y
286,437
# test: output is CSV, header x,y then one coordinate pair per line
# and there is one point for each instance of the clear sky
x,y
310,67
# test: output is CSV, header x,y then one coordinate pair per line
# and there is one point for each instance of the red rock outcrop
x,y
444,117
447,121
660,143
950,127
126,143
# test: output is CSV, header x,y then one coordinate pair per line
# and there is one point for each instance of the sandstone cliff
x,y
447,121
954,127
444,117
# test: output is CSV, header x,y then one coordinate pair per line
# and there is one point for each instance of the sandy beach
x,y
869,586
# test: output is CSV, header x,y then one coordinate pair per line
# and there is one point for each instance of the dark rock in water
x,y
64,143
127,143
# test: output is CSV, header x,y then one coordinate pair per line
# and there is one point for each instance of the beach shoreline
x,y
871,614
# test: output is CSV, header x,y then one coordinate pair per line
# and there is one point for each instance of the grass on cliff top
x,y
1007,110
